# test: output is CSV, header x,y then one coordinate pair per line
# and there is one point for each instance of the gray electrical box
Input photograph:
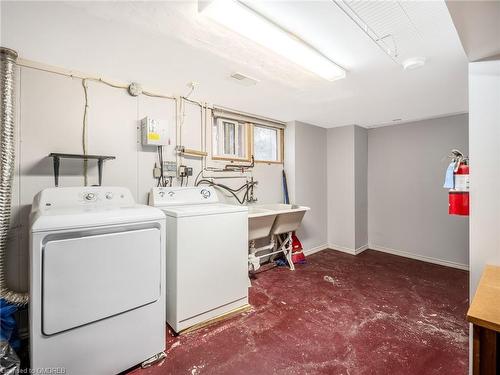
x,y
169,169
154,132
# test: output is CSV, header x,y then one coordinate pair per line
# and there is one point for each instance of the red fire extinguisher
x,y
458,194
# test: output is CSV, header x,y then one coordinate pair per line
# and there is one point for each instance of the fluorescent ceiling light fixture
x,y
245,21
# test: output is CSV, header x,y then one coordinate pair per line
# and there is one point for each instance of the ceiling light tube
x,y
245,21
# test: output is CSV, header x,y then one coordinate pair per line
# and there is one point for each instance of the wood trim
x,y
219,318
476,349
282,148
281,151
250,147
250,152
483,323
231,159
484,309
484,351
268,162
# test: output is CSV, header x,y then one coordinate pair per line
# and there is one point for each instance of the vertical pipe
x,y
8,68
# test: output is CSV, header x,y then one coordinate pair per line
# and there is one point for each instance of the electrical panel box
x,y
154,132
169,169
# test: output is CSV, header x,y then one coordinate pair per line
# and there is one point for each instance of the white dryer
x,y
207,255
97,289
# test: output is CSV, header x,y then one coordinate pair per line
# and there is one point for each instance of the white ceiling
x,y
164,45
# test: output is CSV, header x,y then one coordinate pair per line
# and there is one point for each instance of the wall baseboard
x,y
423,258
348,250
315,249
387,250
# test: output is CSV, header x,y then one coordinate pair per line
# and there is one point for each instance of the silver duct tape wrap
x,y
8,59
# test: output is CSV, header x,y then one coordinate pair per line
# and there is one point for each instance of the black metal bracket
x,y
57,158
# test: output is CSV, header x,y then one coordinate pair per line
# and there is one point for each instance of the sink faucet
x,y
251,198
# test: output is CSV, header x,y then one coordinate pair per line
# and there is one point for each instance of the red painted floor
x,y
372,313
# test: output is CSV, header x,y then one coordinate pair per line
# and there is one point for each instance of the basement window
x,y
267,144
230,140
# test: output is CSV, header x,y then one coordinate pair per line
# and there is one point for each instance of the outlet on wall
x,y
185,171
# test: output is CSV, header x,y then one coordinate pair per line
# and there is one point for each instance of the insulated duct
x,y
8,68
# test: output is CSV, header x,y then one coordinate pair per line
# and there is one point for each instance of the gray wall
x,y
407,204
347,192
361,186
484,133
341,191
305,164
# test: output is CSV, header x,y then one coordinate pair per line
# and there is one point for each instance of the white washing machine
x,y
207,255
97,289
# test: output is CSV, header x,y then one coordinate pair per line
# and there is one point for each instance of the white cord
x,y
84,132
153,95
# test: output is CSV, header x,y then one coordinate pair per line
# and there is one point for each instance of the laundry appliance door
x,y
88,278
212,262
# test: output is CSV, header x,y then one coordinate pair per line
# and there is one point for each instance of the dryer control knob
x,y
205,193
89,196
109,195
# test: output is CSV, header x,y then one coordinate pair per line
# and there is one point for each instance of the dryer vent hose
x,y
8,69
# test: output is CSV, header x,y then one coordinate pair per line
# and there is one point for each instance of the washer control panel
x,y
205,193
170,196
90,197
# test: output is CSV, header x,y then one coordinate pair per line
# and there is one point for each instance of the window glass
x,y
229,129
229,139
266,143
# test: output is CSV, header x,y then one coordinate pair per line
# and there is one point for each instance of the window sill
x,y
268,162
235,160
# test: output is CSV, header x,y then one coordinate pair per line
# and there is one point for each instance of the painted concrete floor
x,y
372,313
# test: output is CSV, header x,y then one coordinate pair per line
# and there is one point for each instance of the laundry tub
x,y
260,222
288,216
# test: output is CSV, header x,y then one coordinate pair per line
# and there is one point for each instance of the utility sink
x,y
288,216
276,218
260,222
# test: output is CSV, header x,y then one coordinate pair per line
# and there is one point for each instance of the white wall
x,y
305,164
50,114
484,138
407,205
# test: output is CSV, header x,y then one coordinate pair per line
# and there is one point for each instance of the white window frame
x,y
218,141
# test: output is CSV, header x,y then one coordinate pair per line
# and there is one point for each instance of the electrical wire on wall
x,y
84,132
180,118
85,79
158,95
248,186
162,181
206,117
